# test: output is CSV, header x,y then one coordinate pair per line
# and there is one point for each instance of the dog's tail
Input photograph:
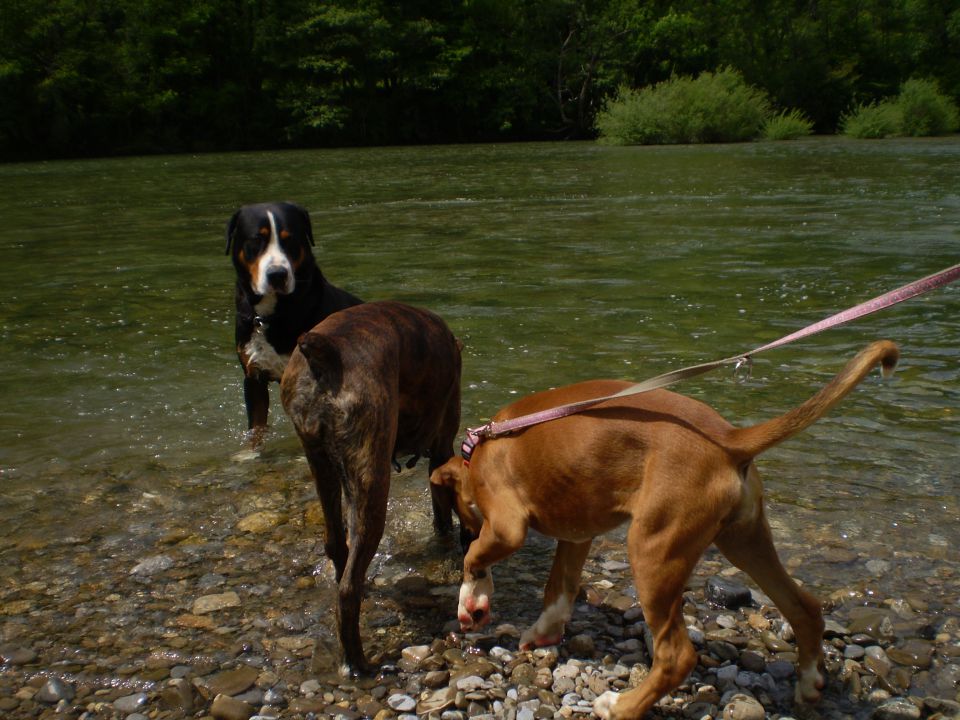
x,y
324,359
751,441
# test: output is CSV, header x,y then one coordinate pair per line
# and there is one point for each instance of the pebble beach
x,y
229,616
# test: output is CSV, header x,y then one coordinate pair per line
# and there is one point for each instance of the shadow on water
x,y
122,411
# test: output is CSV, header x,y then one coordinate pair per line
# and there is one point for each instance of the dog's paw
x,y
531,639
603,705
809,686
473,612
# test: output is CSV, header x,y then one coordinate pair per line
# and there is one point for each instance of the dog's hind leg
x,y
367,513
327,477
558,596
663,553
749,545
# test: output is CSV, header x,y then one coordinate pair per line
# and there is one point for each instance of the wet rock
x,y
897,709
17,655
130,703
227,708
915,652
436,701
872,622
402,703
54,690
412,657
178,696
581,645
726,593
743,707
213,603
261,522
152,565
232,682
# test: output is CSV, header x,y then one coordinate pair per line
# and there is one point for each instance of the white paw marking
x,y
603,705
551,622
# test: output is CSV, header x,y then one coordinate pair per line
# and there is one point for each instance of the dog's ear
x,y
448,474
231,231
306,221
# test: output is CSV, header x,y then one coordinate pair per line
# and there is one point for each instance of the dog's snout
x,y
277,277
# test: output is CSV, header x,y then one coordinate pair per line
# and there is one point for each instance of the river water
x,y
122,418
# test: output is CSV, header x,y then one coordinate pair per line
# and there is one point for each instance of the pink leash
x,y
475,436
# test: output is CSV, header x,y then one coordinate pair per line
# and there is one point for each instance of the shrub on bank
x,y
919,110
925,110
872,121
788,125
714,107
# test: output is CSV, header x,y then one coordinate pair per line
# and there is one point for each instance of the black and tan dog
x,y
366,384
681,475
281,294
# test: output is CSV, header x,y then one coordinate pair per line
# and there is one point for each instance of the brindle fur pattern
x,y
368,383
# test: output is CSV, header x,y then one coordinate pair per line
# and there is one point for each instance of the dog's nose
x,y
277,277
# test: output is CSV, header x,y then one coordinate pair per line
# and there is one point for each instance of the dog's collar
x,y
472,438
262,321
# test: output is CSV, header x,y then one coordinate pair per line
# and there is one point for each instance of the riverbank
x,y
234,619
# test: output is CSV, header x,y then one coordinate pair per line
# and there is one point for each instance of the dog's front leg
x,y
558,596
256,397
495,542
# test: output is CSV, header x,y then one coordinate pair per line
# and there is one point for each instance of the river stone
x,y
581,645
130,703
261,522
178,696
54,690
152,565
212,603
437,701
232,682
401,703
411,658
915,652
17,655
726,593
227,708
743,707
872,622
897,709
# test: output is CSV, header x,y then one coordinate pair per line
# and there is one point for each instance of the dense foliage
x,y
920,109
713,107
81,77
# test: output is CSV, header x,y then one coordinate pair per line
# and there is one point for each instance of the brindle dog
x,y
368,383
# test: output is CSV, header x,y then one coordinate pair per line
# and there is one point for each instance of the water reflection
x,y
554,263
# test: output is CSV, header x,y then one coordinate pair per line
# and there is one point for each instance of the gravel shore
x,y
233,619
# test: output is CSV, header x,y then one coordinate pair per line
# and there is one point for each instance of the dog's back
x,y
399,364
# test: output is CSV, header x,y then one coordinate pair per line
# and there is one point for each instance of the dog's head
x,y
455,474
270,243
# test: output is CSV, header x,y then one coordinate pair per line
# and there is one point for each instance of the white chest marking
x,y
262,355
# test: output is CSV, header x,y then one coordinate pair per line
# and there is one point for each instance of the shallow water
x,y
122,409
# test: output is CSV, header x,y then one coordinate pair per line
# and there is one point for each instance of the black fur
x,y
312,299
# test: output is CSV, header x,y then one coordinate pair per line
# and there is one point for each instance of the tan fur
x,y
683,478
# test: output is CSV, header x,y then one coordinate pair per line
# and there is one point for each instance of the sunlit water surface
x,y
121,403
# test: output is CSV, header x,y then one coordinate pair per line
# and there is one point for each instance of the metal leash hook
x,y
743,368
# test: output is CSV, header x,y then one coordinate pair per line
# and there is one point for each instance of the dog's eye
x,y
253,246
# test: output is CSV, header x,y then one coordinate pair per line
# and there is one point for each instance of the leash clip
x,y
743,368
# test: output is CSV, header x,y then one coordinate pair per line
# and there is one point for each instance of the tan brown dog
x,y
368,383
678,472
